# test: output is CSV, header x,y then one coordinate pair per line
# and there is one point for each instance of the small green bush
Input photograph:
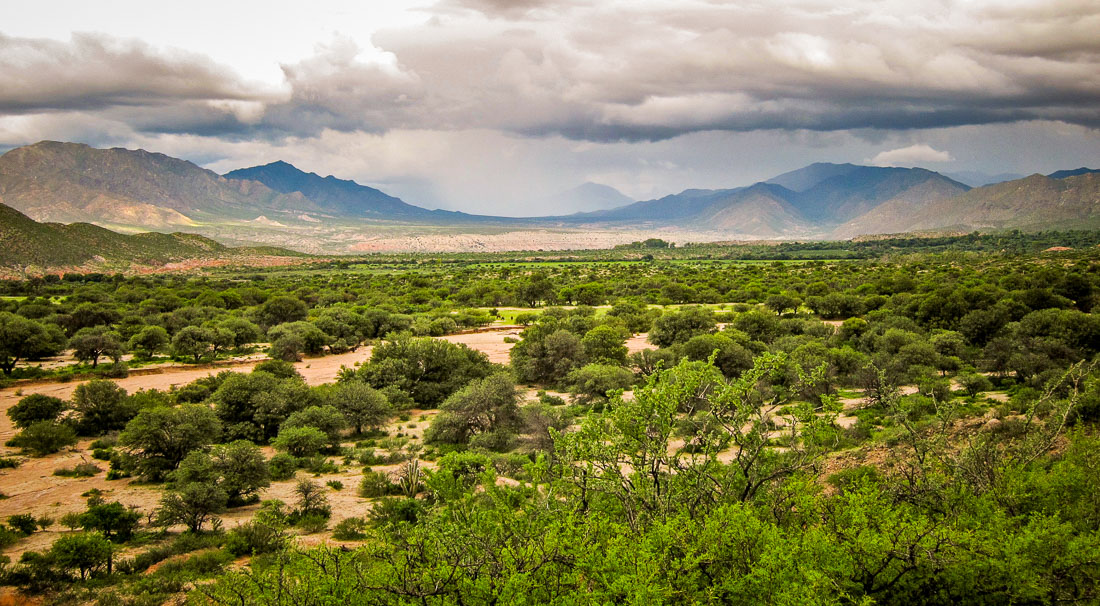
x,y
312,523
396,511
282,466
80,470
351,529
44,437
264,534
376,484
23,523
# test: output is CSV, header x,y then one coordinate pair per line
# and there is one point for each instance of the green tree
x,y
238,468
90,344
428,370
34,408
149,341
101,406
85,552
191,504
193,342
253,406
114,521
731,357
782,303
312,499
594,381
23,339
159,438
974,384
606,344
535,289
305,337
546,354
362,405
679,326
344,325
300,441
484,406
326,418
243,331
280,309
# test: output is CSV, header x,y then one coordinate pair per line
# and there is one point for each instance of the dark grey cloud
x,y
93,72
599,71
651,72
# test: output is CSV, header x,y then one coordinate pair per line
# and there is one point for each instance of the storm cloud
x,y
474,104
611,71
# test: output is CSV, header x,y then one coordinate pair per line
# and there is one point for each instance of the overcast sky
x,y
490,105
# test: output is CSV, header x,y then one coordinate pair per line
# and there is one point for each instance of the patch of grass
x,y
80,470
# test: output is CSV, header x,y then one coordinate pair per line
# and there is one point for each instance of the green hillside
x,y
25,242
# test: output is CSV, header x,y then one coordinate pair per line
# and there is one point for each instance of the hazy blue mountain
x,y
340,197
587,197
808,176
815,199
975,178
859,189
1062,174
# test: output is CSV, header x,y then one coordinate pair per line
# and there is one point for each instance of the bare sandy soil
x,y
532,239
32,487
489,342
638,343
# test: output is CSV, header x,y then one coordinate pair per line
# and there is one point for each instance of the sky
x,y
492,106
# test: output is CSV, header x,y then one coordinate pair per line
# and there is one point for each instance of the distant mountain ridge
x,y
136,190
336,196
347,199
1062,174
812,201
975,178
586,197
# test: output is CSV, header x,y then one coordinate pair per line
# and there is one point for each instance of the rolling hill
x,y
25,242
1035,202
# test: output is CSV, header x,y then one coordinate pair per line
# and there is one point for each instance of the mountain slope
x,y
74,182
843,197
762,210
808,176
1035,202
26,242
334,196
810,201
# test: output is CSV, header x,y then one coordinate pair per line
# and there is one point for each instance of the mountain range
x,y
130,190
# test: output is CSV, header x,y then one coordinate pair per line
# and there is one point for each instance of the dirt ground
x,y
32,487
